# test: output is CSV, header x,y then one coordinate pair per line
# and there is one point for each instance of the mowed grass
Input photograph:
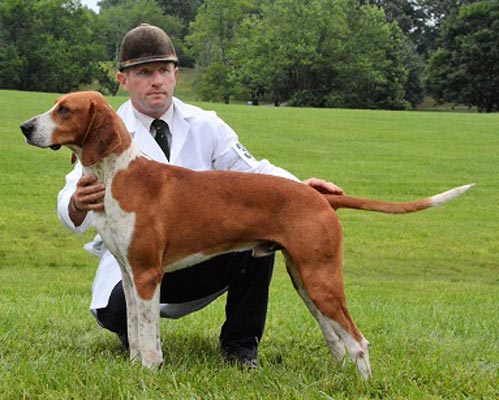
x,y
423,287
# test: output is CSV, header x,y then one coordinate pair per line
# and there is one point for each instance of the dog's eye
x,y
63,110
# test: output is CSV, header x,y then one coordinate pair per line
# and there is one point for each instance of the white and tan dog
x,y
160,218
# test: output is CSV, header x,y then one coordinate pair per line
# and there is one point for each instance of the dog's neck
x,y
106,168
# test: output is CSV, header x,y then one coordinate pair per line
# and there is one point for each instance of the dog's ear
x,y
101,138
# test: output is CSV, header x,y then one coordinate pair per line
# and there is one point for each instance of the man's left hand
x,y
323,186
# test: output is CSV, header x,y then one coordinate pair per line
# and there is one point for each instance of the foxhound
x,y
160,218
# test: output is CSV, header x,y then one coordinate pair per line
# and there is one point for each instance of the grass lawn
x,y
423,287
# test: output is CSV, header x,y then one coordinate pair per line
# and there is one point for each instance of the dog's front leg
x,y
149,335
148,297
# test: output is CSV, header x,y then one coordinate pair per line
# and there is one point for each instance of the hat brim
x,y
147,60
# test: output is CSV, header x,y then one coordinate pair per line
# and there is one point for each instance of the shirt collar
x,y
146,120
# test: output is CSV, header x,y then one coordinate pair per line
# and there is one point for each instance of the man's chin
x,y
158,102
154,106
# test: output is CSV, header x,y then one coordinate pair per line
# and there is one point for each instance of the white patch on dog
x,y
200,257
149,335
115,225
444,197
44,129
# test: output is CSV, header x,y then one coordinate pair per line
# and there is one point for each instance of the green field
x,y
423,287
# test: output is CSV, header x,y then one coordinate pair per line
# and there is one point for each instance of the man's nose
x,y
157,79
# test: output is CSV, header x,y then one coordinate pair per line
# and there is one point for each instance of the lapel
x,y
181,128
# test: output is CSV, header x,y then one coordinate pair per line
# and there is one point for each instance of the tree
x,y
47,45
184,10
105,4
465,67
411,17
408,14
212,40
436,12
341,56
420,20
414,63
439,10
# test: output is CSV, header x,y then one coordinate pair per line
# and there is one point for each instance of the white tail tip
x,y
449,195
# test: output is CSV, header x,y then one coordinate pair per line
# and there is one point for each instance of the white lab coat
x,y
200,141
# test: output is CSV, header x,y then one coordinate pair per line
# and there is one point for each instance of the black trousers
x,y
247,279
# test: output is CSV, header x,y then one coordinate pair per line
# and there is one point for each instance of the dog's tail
x,y
341,201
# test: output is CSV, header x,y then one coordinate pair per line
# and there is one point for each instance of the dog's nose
x,y
27,128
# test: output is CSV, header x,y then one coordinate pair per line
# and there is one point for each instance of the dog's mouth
x,y
55,147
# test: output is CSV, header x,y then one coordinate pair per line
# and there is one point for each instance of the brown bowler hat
x,y
146,44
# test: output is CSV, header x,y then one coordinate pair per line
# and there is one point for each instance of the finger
x,y
86,180
91,198
332,188
87,202
91,189
95,207
323,186
328,188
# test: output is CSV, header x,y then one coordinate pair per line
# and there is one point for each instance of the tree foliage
x,y
342,55
465,68
419,19
321,53
185,10
212,41
47,45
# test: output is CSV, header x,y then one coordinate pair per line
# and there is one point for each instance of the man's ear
x,y
122,78
101,138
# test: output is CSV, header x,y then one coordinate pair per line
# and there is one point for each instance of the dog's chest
x,y
115,226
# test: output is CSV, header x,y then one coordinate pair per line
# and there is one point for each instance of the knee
x,y
113,317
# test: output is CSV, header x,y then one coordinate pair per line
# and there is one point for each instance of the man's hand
x,y
323,186
87,197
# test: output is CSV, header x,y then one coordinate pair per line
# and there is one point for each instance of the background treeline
x,y
320,53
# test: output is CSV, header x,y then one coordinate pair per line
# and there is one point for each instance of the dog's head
x,y
83,121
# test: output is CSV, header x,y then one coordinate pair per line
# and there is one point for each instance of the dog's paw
x,y
361,360
152,361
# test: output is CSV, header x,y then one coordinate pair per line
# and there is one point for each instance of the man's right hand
x,y
88,196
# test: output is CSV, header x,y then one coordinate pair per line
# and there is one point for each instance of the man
x,y
171,131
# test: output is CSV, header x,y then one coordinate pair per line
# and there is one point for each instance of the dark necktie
x,y
163,135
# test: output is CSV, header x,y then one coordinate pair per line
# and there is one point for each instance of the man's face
x,y
150,86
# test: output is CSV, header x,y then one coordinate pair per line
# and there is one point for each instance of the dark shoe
x,y
246,359
124,339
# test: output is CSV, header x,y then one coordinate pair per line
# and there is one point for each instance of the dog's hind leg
x,y
317,272
333,341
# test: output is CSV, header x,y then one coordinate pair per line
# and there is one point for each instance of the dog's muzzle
x,y
28,128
